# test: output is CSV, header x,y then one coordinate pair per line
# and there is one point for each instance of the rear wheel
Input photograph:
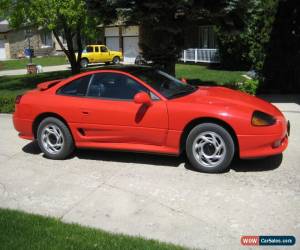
x,y
210,148
55,139
84,63
116,60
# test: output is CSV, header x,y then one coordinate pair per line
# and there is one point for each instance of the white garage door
x,y
112,43
2,50
131,48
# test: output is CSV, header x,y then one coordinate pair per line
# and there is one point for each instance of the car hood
x,y
228,97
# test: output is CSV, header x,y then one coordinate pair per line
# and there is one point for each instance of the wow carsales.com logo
x,y
268,240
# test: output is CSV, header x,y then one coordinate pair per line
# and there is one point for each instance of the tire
x,y
55,139
210,148
116,60
84,63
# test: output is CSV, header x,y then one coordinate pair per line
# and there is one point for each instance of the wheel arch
x,y
42,116
85,58
201,120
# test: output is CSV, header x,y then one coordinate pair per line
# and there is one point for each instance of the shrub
x,y
249,86
7,104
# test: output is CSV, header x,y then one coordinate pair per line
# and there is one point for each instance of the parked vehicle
x,y
140,60
144,109
99,54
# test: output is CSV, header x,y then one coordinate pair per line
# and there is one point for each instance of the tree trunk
x,y
170,68
79,43
281,68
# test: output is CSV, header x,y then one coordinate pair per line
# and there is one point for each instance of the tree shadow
x,y
283,98
238,165
199,82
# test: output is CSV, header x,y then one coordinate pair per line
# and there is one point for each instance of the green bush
x,y
7,104
249,86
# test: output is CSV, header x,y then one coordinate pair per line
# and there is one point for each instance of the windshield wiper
x,y
183,92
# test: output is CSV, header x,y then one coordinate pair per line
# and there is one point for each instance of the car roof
x,y
95,45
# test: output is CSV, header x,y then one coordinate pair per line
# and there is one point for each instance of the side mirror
x,y
142,98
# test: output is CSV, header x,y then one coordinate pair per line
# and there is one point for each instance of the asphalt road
x,y
157,196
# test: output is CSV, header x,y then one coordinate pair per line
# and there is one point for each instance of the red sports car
x,y
144,109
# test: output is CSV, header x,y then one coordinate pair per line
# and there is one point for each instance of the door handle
x,y
85,112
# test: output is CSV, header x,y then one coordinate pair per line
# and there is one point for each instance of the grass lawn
x,y
21,63
20,230
203,74
11,86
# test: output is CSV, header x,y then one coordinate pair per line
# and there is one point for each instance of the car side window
x,y
114,86
77,87
103,49
96,49
89,49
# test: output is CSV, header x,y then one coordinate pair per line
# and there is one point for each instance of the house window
x,y
46,38
207,37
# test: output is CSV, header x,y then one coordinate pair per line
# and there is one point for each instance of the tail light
x,y
18,99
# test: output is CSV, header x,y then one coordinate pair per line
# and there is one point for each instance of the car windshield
x,y
165,84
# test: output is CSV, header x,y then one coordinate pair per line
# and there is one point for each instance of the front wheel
x,y
54,139
210,148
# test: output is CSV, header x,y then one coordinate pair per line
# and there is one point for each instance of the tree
x,y
281,69
246,47
62,17
162,23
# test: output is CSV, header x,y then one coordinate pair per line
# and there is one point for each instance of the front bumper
x,y
256,146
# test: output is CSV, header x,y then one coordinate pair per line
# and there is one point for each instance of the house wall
x,y
16,42
200,36
125,39
4,46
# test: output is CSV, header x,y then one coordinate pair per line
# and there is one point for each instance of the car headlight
x,y
262,119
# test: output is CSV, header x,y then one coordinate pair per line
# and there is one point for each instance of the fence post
x,y
184,55
196,55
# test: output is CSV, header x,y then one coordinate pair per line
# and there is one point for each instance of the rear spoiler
x,y
47,85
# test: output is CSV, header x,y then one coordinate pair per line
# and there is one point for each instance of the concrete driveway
x,y
157,196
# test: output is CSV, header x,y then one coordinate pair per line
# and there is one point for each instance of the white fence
x,y
201,55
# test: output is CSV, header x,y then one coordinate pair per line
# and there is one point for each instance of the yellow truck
x,y
99,54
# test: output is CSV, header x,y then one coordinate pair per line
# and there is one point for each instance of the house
x,y
200,42
14,41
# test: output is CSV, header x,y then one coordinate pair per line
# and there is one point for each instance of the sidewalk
x,y
63,67
14,72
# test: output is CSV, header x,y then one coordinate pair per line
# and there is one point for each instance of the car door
x,y
68,102
90,50
97,55
105,54
111,116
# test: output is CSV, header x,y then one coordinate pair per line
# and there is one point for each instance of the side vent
x,y
81,131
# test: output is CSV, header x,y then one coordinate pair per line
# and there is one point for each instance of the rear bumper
x,y
24,127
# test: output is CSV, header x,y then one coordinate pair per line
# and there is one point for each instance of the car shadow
x,y
257,165
238,165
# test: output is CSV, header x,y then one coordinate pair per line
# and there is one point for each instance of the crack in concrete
x,y
92,192
7,195
180,212
4,189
